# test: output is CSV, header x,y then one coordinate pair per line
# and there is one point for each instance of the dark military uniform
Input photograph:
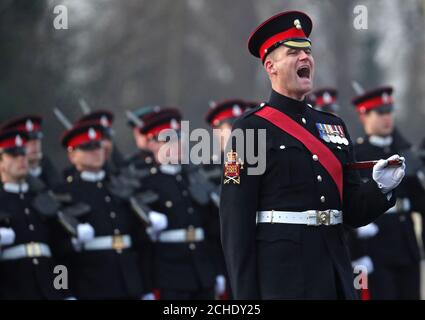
x,y
394,250
278,260
114,273
184,268
28,276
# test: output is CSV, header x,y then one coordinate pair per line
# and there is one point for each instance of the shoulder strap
x,y
326,157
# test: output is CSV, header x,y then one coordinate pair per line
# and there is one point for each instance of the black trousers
x,y
395,282
174,294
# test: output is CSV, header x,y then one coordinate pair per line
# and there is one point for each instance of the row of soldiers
x,y
388,247
136,228
129,228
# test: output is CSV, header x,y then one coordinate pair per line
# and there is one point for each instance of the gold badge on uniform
x,y
232,168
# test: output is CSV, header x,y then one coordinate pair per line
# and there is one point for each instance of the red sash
x,y
326,157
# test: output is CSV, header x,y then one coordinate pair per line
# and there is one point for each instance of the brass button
x,y
322,199
315,157
319,178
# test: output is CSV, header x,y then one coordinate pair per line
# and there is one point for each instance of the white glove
x,y
158,221
364,261
368,231
85,232
388,177
220,285
148,296
7,236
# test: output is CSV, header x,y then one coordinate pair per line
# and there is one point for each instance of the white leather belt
x,y
309,217
27,250
118,242
190,234
401,205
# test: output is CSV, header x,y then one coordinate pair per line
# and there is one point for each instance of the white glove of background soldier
x,y
368,231
85,232
158,221
388,177
7,236
220,285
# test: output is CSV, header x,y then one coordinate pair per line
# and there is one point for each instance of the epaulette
x,y
253,110
325,112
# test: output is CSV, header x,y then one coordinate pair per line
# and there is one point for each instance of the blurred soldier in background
x,y
40,166
26,230
114,158
115,264
324,99
185,263
142,157
390,249
220,117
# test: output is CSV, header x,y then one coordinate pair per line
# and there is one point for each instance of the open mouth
x,y
304,72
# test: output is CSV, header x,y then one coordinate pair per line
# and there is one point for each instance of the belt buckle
x,y
323,217
190,234
118,242
33,249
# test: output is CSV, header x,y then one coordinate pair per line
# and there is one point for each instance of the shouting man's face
x,y
291,71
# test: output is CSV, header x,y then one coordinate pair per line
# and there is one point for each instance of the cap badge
x,y
104,121
327,98
18,141
236,110
297,24
29,125
92,134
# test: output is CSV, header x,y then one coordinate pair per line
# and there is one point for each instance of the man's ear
x,y
269,66
71,156
362,117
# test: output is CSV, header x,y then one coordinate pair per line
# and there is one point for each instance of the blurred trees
x,y
123,54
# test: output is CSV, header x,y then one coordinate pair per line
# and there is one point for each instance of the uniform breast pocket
x,y
341,152
294,162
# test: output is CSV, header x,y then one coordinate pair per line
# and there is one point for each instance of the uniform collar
x,y
380,142
171,169
13,187
36,172
286,104
92,176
